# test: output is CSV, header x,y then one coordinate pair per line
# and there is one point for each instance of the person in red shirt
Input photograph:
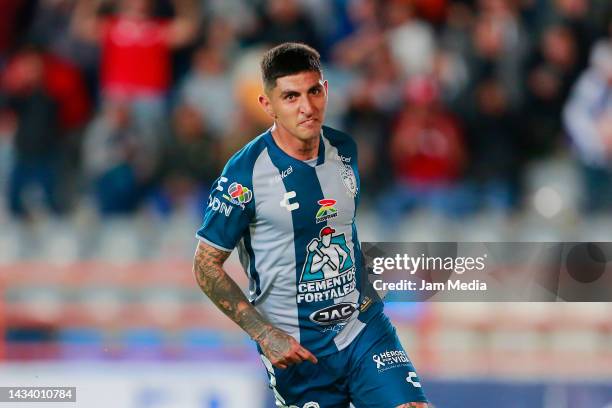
x,y
136,50
135,45
135,68
427,147
47,98
428,154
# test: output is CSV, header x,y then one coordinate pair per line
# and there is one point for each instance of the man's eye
x,y
290,97
316,91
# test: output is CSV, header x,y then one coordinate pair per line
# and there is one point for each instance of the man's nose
x,y
306,107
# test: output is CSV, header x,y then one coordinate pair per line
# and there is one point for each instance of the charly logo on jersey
x,y
329,271
413,379
311,404
349,179
327,210
390,359
286,203
238,194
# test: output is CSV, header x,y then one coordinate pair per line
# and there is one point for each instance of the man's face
x,y
326,240
136,8
297,104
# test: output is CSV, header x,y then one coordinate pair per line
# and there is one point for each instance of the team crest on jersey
x,y
327,210
238,194
349,180
329,271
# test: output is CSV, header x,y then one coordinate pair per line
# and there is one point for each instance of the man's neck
x,y
294,147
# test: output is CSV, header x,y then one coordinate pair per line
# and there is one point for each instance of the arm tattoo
x,y
225,293
274,343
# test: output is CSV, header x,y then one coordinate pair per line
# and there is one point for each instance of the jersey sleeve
x,y
229,210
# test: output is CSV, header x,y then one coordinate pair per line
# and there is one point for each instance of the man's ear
x,y
264,101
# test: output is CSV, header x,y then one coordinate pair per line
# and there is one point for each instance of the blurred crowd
x,y
139,103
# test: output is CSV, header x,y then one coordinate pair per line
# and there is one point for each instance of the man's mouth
x,y
308,121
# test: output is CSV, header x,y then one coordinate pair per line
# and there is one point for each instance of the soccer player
x,y
287,200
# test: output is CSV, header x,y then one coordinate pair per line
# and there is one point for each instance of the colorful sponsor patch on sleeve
x,y
238,194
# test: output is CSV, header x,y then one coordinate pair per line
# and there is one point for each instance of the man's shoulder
x,y
244,159
336,136
345,144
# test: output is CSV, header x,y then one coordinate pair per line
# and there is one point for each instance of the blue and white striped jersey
x,y
294,225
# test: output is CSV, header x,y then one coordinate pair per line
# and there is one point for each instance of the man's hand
x,y
283,350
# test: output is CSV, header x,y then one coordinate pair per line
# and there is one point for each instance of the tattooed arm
x,y
279,347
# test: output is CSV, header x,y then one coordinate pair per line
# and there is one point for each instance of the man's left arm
x,y
279,347
184,26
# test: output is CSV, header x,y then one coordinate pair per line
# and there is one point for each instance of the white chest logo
x,y
285,201
349,180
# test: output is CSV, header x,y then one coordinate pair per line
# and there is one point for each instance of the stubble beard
x,y
309,140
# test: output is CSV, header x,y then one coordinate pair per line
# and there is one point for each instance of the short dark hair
x,y
288,59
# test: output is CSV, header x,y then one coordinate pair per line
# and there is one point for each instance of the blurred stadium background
x,y
477,120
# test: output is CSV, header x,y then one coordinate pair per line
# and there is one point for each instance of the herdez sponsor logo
x,y
390,359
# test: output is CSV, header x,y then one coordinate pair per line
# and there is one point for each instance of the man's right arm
x,y
279,347
85,23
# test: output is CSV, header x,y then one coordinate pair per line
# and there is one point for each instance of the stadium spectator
x,y
494,168
136,52
190,160
450,65
427,153
119,159
373,99
411,40
208,88
499,48
51,27
49,99
284,20
552,70
433,11
588,119
363,34
36,140
575,15
14,18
